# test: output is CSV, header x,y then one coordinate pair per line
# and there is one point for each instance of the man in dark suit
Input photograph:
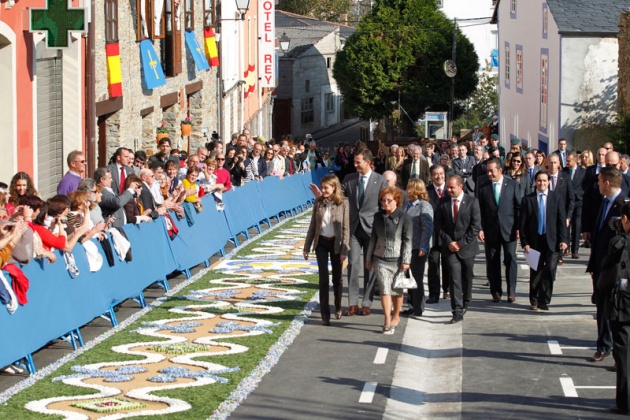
x,y
576,174
499,202
437,192
531,169
592,197
463,166
362,189
562,152
609,184
458,222
119,169
543,228
560,183
416,167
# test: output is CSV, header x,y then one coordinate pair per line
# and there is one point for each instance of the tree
x,y
329,10
397,52
482,104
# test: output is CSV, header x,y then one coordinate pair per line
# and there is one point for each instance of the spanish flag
x,y
114,70
211,47
250,79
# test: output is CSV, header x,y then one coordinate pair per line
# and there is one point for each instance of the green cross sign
x,y
57,19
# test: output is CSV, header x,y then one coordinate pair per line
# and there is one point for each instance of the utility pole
x,y
451,104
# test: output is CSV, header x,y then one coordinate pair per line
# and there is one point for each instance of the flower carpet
x,y
197,352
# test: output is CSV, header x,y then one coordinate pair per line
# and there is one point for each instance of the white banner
x,y
267,47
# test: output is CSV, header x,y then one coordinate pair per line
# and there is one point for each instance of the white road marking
x,y
570,389
367,395
381,356
555,348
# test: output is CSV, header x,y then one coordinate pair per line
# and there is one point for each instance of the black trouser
x,y
604,335
434,273
493,266
541,280
326,247
417,270
576,223
461,272
621,353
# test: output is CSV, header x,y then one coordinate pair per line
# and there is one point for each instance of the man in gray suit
x,y
112,203
362,189
118,167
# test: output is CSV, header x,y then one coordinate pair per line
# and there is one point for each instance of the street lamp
x,y
285,41
243,7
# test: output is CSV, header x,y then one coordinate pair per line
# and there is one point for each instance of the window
x,y
171,48
306,111
494,3
328,62
545,21
208,13
330,102
440,3
307,86
506,71
146,25
519,68
111,21
189,15
544,86
513,9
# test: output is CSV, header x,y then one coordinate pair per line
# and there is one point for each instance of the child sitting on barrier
x,y
192,189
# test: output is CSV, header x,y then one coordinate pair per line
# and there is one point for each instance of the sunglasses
x,y
517,161
220,158
80,161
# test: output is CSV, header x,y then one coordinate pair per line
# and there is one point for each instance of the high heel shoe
x,y
338,313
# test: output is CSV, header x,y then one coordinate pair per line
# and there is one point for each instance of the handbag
x,y
404,280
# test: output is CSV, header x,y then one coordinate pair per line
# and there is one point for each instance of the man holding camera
x,y
609,183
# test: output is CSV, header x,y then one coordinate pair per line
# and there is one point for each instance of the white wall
x,y
481,35
589,83
519,112
8,106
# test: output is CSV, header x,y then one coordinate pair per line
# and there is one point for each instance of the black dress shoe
x,y
456,319
543,307
432,300
407,312
326,322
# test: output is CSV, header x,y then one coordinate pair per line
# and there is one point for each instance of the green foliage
x,y
402,46
619,133
481,105
329,10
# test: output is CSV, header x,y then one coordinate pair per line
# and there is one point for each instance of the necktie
x,y
122,179
414,170
541,214
553,183
531,174
572,173
455,210
361,190
409,205
604,211
496,192
439,191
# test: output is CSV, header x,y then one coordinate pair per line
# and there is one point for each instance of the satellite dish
x,y
450,68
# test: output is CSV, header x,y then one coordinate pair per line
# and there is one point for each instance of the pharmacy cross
x,y
58,20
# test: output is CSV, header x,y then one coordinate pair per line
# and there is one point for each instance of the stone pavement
x,y
503,361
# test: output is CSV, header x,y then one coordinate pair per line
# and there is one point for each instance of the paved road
x,y
503,361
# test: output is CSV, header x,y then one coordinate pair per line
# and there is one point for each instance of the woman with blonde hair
x,y
421,213
586,159
329,235
389,252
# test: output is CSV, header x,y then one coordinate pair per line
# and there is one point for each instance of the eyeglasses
x,y
608,148
80,161
220,158
94,191
517,161
387,200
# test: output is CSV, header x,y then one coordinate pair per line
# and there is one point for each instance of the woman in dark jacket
x,y
329,234
389,252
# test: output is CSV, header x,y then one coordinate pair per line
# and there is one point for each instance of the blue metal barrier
x,y
59,305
